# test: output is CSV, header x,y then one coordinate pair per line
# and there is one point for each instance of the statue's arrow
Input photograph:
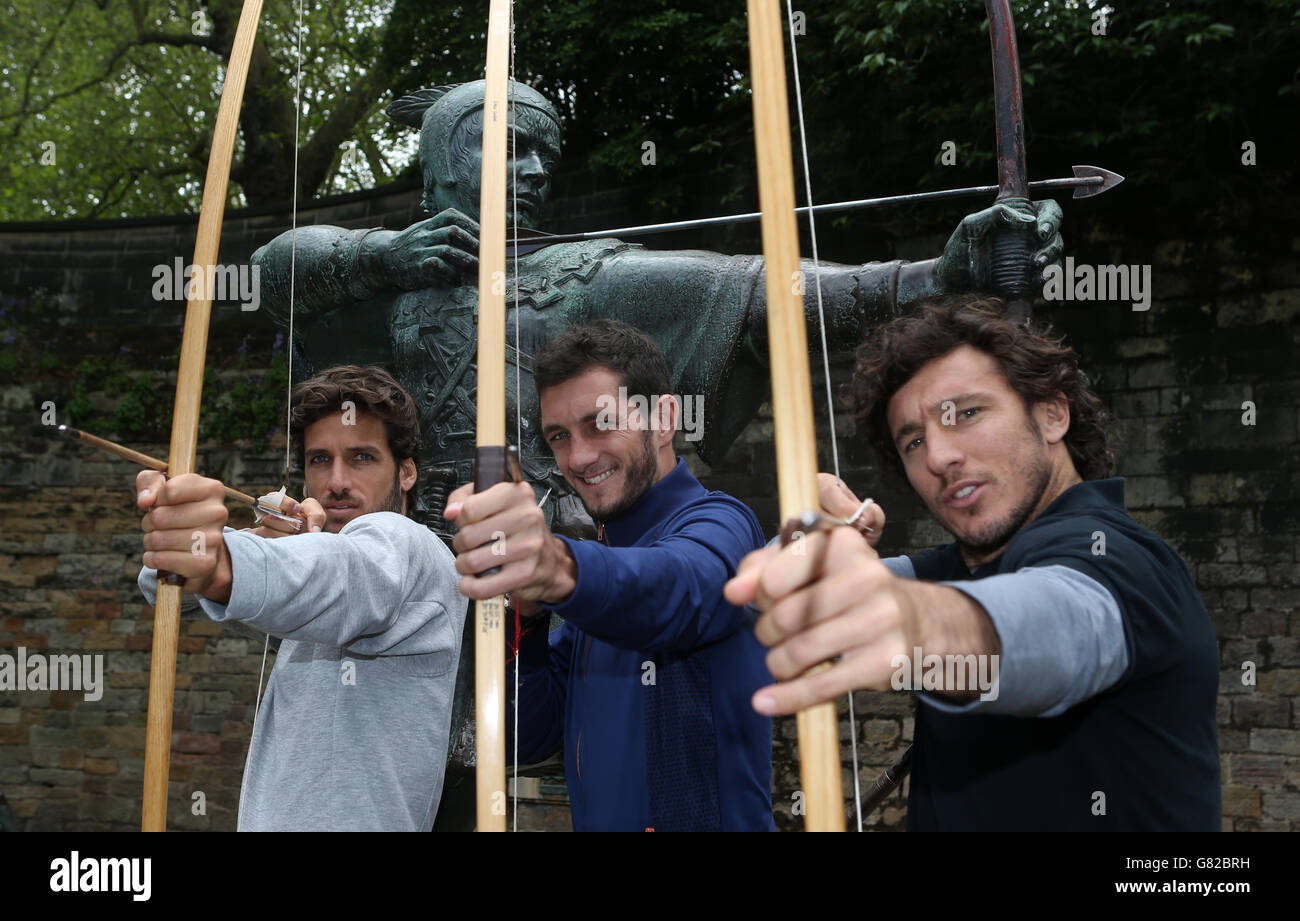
x,y
1086,182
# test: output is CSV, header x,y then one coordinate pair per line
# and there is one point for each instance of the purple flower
x,y
279,341
243,346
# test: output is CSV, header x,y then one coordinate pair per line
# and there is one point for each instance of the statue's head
x,y
450,119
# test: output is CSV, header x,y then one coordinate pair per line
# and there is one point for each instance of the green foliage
x,y
242,406
1165,96
134,396
138,406
107,108
20,338
128,395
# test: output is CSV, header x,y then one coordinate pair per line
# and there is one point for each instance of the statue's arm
x,y
333,268
854,299
857,298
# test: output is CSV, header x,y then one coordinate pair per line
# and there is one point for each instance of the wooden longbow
x,y
490,428
792,412
185,413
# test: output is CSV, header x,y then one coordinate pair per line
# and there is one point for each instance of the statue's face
x,y
533,142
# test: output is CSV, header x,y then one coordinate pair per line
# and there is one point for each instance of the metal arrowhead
x,y
1108,181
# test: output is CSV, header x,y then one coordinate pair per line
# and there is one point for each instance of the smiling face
x,y
983,464
609,466
350,470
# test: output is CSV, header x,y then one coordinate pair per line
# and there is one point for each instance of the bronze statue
x,y
407,300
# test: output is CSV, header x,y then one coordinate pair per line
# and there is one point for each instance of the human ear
x,y
669,410
408,474
1054,417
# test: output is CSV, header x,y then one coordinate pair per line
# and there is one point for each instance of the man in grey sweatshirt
x,y
353,730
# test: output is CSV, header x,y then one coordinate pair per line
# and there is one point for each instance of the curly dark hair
x,y
1035,364
373,390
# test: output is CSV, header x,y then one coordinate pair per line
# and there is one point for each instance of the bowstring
x,y
826,361
512,175
293,250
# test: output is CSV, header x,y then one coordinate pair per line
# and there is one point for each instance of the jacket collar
x,y
1080,499
1088,495
656,505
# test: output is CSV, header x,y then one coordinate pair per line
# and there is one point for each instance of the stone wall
x,y
81,330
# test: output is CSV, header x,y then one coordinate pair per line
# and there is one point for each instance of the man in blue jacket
x,y
647,682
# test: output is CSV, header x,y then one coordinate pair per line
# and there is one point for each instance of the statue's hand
x,y
442,250
967,260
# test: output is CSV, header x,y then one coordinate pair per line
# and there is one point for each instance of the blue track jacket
x,y
648,681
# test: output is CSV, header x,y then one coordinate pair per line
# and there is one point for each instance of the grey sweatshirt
x,y
354,724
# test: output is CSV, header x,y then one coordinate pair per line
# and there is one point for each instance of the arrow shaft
x,y
143,460
1075,182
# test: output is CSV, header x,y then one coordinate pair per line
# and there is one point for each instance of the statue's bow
x,y
1011,252
185,413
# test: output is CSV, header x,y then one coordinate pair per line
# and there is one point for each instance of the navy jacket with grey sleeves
x,y
1103,723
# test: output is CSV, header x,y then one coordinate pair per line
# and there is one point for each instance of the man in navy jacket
x,y
647,682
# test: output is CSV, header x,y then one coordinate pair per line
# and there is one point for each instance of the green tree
x,y
1166,94
108,106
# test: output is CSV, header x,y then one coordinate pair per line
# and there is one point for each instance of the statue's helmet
x,y
439,111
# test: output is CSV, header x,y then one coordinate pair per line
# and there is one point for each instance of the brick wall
x,y
1221,331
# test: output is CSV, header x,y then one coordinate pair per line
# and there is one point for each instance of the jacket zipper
x,y
586,653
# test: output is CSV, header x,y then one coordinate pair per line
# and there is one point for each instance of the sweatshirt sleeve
x,y
900,566
1062,641
667,595
373,587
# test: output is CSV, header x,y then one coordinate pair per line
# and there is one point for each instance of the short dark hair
x,y
1035,365
372,390
625,350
